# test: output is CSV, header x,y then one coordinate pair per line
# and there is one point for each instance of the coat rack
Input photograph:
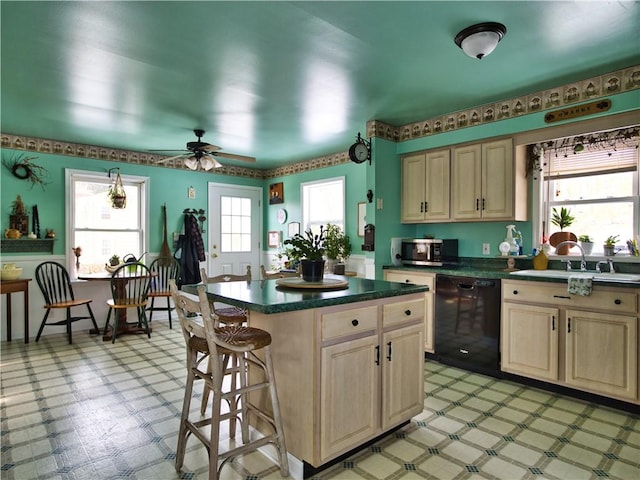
x,y
199,214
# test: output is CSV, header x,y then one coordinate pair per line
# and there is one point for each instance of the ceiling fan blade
x,y
234,156
168,159
208,148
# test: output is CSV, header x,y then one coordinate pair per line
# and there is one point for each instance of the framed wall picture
x,y
276,193
273,239
294,229
362,218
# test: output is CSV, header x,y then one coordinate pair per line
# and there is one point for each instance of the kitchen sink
x,y
600,277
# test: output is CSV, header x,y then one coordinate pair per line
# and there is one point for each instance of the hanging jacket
x,y
190,252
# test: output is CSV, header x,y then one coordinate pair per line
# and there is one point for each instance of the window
x,y
235,224
599,186
98,229
322,203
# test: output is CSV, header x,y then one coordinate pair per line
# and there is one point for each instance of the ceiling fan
x,y
203,154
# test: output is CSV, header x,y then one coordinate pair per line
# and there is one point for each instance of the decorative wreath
x,y
22,168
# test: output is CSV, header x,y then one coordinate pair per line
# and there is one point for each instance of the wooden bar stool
x,y
208,350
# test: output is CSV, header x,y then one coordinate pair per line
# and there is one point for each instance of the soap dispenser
x,y
510,239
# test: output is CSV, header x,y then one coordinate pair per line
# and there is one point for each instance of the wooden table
x,y
123,326
11,286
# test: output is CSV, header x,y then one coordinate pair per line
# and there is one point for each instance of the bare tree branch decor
x,y
22,167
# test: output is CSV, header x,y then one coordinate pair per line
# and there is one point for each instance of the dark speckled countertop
x,y
496,268
266,297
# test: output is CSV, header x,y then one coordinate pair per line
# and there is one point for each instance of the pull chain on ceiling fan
x,y
201,154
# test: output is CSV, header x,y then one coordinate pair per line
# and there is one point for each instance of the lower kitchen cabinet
x,y
350,387
530,340
589,343
602,353
346,373
419,278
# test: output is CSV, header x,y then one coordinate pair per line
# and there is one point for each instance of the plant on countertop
x,y
114,260
585,238
563,218
611,240
336,243
307,246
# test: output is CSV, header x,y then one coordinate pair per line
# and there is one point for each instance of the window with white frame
x,y
323,202
98,229
595,177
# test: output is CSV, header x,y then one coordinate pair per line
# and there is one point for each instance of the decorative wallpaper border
x,y
589,89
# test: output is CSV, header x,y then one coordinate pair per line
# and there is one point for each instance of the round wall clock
x,y
282,215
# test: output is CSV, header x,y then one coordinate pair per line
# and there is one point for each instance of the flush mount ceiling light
x,y
481,39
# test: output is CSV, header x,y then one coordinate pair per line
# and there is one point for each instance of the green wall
x,y
167,185
382,177
355,190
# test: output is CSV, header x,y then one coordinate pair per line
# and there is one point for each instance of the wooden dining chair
x,y
281,274
162,270
55,285
130,285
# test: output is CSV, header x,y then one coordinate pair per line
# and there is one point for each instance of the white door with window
x,y
234,229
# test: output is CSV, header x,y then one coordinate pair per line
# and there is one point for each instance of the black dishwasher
x,y
467,323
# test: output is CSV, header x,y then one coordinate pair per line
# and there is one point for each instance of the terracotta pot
x,y
559,237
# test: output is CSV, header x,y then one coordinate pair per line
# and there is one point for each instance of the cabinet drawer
x,y
401,312
349,322
601,298
415,278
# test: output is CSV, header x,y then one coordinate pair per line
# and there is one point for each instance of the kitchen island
x,y
348,362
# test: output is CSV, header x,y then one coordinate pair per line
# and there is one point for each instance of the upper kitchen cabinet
x,y
487,184
426,187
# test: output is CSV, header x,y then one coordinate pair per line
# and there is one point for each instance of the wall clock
x,y
281,215
360,151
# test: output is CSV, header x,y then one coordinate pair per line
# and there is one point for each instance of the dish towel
x,y
580,285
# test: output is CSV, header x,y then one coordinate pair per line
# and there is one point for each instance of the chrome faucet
x,y
583,262
609,262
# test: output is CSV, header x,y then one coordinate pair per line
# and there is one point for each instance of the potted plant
x,y
117,195
309,248
337,247
609,245
562,219
586,242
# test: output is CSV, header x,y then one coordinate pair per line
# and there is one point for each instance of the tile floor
x,y
101,411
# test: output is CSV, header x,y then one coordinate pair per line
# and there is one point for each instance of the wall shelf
x,y
27,245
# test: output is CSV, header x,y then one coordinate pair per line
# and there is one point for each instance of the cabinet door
x,y
429,306
529,340
467,182
413,188
497,179
403,375
601,353
437,185
350,393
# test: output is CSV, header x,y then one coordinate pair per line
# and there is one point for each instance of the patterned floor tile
x,y
95,411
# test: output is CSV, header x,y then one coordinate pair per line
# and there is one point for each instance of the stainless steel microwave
x,y
428,251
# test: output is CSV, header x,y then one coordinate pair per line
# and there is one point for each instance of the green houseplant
x,y
562,219
309,249
587,244
337,246
610,244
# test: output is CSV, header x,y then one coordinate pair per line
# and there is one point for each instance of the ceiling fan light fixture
x,y
191,163
208,162
479,40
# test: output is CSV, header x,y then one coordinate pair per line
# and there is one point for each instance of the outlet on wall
x,y
486,249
